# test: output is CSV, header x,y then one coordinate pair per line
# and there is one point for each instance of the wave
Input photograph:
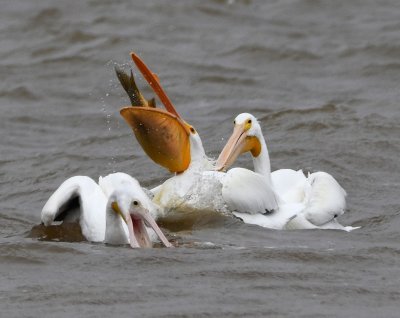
x,y
256,51
20,92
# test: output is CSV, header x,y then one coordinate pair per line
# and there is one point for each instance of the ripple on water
x,y
320,75
257,51
31,252
20,92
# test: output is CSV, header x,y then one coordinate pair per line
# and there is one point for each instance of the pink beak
x,y
138,235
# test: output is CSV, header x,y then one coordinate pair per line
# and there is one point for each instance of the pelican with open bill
x,y
174,144
163,134
115,211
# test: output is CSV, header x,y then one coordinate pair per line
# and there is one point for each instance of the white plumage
x,y
103,210
304,202
257,197
246,191
78,199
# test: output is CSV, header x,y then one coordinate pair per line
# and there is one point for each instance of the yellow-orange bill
x,y
238,143
163,136
157,78
154,82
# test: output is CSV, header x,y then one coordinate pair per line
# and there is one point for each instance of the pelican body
x,y
174,144
316,200
250,195
114,211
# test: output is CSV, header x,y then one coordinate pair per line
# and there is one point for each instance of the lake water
x,y
323,78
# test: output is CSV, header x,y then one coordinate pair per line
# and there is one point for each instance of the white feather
x,y
276,220
321,197
97,223
325,198
300,222
290,184
246,191
92,200
120,180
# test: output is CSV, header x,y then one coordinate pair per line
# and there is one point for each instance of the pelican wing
x,y
300,222
325,198
78,199
248,192
290,185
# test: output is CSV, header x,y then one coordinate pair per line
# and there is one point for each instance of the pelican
x,y
317,200
169,141
114,211
174,144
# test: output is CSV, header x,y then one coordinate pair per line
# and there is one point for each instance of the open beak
x,y
163,135
138,236
154,82
238,143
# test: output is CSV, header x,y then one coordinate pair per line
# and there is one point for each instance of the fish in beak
x,y
136,217
163,134
128,83
239,142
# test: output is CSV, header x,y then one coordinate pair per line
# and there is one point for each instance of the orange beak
x,y
163,135
238,143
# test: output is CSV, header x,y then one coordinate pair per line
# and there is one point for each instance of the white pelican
x,y
174,144
319,196
114,212
169,141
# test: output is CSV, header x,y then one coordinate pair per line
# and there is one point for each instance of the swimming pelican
x,y
174,144
169,141
114,211
320,195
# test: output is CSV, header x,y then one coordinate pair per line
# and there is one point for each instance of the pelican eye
x,y
192,130
247,124
135,203
234,122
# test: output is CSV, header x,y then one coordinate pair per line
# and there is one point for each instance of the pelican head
x,y
131,209
163,134
246,136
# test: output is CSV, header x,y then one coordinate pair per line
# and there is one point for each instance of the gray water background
x,y
323,78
